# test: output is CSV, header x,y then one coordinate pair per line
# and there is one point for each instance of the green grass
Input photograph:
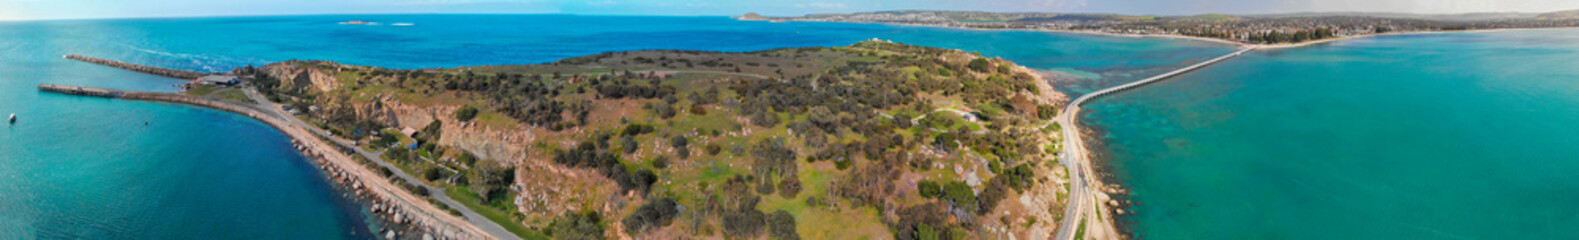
x,y
1080,232
466,197
233,95
201,90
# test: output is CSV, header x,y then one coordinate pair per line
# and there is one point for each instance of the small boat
x,y
13,118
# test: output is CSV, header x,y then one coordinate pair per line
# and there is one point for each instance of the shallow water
x,y
79,167
1438,136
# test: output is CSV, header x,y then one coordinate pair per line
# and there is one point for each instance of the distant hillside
x,y
1562,15
1414,16
1246,29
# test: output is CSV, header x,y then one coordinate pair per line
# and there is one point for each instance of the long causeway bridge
x,y
1083,211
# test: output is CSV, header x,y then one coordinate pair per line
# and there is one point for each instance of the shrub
x,y
466,158
929,189
713,149
576,226
997,189
628,144
960,194
491,182
660,162
656,213
743,223
789,187
664,110
465,113
636,129
765,186
765,119
1046,112
981,65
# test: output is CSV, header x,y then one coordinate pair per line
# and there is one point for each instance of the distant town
x,y
1244,29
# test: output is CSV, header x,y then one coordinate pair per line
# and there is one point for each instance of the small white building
x,y
220,80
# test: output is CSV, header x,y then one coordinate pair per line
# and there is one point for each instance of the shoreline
x,y
412,216
1113,197
1118,196
1202,39
395,203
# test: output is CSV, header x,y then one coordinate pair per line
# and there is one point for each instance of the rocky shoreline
x,y
395,222
412,218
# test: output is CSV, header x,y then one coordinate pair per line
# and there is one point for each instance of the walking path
x,y
1085,201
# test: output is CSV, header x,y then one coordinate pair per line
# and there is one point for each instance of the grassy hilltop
x,y
876,139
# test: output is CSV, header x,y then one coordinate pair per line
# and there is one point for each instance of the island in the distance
x,y
1267,29
873,139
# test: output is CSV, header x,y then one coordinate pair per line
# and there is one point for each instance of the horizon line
x,y
740,14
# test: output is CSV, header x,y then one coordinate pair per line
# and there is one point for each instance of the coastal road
x,y
438,193
1085,199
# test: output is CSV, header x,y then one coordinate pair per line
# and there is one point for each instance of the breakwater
x,y
73,90
416,218
165,72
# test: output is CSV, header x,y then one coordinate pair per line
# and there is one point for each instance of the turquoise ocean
x,y
1427,136
89,168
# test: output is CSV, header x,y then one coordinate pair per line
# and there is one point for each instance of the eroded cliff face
x,y
296,76
485,142
317,77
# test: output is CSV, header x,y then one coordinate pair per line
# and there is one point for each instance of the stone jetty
x,y
73,90
171,73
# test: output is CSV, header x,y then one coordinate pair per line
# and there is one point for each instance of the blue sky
x,y
63,9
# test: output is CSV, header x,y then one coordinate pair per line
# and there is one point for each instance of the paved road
x,y
438,193
1084,200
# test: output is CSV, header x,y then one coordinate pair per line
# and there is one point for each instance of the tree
x,y
790,186
744,223
781,225
960,194
664,110
773,155
929,189
1046,112
465,113
491,182
765,119
656,213
823,118
432,131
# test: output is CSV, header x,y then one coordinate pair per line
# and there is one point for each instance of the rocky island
x,y
873,139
